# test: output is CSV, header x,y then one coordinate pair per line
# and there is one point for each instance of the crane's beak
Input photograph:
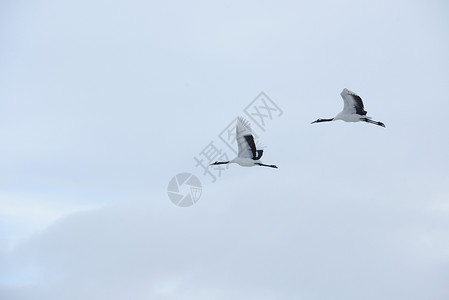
x,y
314,122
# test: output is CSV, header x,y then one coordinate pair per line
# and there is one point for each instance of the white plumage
x,y
248,155
241,130
353,110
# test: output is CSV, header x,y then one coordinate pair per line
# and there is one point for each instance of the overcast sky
x,y
103,102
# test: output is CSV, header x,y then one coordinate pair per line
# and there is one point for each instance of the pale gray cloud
x,y
265,244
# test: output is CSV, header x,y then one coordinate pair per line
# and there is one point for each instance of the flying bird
x,y
353,110
248,155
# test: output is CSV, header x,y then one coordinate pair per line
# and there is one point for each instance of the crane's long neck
x,y
323,120
220,163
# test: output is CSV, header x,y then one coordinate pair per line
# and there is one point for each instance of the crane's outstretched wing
x,y
257,154
353,103
245,139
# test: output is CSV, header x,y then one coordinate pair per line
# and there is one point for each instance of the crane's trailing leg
x,y
263,165
372,122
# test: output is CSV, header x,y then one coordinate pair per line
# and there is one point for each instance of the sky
x,y
102,103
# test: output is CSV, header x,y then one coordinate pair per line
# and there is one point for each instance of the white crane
x,y
248,155
353,110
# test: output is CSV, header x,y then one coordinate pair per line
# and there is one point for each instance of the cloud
x,y
259,245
